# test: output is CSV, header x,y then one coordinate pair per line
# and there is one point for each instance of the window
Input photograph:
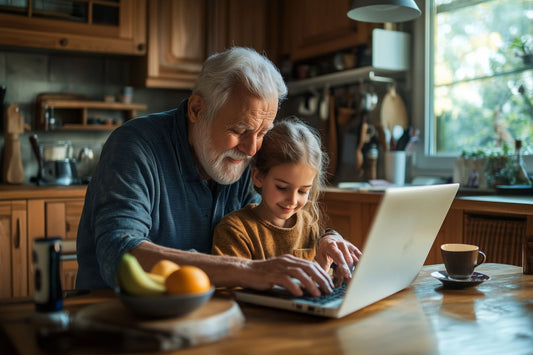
x,y
477,86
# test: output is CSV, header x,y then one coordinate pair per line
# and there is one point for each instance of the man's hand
x,y
333,248
282,270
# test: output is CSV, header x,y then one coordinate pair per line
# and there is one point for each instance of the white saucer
x,y
448,282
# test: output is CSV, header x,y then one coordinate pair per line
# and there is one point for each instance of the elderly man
x,y
165,180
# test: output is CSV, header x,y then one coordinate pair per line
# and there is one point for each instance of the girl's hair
x,y
224,71
292,141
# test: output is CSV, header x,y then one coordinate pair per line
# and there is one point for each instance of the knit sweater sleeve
x,y
230,238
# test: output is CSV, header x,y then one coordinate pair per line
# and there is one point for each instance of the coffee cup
x,y
460,260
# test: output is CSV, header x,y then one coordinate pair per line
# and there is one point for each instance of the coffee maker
x,y
56,164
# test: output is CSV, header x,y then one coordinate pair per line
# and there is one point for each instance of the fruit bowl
x,y
164,306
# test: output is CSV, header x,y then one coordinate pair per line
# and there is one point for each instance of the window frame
x,y
422,103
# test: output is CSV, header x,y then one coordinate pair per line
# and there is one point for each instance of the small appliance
x,y
56,165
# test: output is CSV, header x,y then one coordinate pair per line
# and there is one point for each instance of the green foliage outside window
x,y
483,75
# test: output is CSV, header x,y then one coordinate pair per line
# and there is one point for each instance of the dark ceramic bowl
x,y
164,306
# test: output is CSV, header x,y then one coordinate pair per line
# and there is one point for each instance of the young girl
x,y
289,173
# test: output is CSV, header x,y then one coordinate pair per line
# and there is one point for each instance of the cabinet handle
x,y
17,235
141,47
63,42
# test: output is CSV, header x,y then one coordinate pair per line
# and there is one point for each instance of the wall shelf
x,y
84,106
343,78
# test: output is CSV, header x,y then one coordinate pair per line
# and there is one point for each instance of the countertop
x,y
30,191
465,200
520,204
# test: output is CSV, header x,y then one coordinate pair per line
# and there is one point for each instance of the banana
x,y
157,278
133,279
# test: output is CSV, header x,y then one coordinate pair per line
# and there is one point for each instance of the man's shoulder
x,y
151,128
152,120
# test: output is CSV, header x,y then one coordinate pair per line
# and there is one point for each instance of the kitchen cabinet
x,y
103,26
30,212
352,218
316,27
58,217
176,43
498,225
183,33
14,251
244,23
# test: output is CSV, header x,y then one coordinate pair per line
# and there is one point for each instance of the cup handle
x,y
483,258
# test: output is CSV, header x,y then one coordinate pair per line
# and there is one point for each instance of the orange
x,y
164,268
187,279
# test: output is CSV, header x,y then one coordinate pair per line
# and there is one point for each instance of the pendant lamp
x,y
382,11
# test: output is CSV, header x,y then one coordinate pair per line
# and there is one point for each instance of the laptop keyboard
x,y
279,292
337,293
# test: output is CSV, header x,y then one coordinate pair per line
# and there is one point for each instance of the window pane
x,y
483,83
61,10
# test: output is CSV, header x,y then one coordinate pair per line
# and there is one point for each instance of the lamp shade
x,y
382,11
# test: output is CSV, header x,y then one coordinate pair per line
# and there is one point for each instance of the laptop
x,y
404,229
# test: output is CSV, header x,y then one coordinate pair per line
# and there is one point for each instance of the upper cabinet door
x,y
317,27
103,26
176,42
243,23
183,33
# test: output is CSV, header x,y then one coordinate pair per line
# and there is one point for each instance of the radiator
x,y
500,238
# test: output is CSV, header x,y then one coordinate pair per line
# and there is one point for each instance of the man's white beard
x,y
214,164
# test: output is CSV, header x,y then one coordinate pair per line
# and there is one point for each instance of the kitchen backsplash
x,y
29,73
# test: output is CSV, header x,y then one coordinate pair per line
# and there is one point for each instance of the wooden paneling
x,y
19,248
351,220
55,219
13,249
62,218
73,210
69,270
499,237
5,250
241,22
450,232
36,229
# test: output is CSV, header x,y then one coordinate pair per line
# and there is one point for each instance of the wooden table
x,y
496,317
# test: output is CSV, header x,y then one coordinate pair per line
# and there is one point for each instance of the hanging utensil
x,y
404,139
13,170
359,150
309,104
397,133
393,111
324,105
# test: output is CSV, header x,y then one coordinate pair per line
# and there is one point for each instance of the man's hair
x,y
224,71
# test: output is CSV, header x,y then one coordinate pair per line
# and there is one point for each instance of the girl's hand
x,y
333,248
